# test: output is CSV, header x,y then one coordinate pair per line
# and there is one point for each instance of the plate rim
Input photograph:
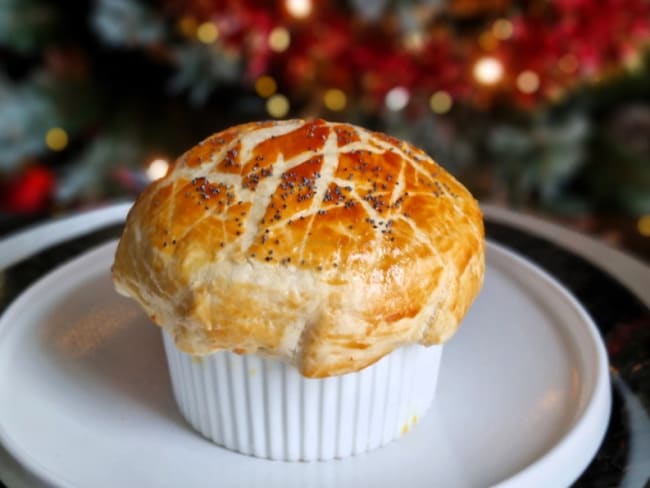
x,y
597,406
599,403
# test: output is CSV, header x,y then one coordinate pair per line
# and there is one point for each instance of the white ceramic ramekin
x,y
265,408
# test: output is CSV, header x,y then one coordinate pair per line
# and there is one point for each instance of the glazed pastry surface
x,y
323,244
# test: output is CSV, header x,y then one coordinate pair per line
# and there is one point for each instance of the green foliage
x,y
127,23
540,155
26,113
29,109
90,174
618,169
25,24
141,90
201,69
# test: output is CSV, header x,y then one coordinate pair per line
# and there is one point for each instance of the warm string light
x,y
187,26
554,92
265,86
487,41
633,61
279,39
207,32
643,225
414,41
277,106
488,70
397,98
528,81
56,139
440,102
495,35
335,100
502,29
298,8
157,169
568,63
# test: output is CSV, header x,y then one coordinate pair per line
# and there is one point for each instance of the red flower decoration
x,y
29,192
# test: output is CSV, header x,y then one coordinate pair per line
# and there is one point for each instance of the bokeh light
x,y
207,32
279,39
414,41
265,86
440,102
157,169
397,98
56,139
528,81
488,70
502,29
334,99
643,225
277,106
299,8
187,26
487,41
568,63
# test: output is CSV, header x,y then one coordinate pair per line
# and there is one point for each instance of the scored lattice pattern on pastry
x,y
320,205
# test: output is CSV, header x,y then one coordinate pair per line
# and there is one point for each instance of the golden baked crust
x,y
321,243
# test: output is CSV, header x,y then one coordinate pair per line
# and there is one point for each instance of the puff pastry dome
x,y
323,244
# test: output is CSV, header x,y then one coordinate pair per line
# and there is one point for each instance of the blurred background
x,y
541,106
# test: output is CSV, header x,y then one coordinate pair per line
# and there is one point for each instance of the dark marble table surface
x,y
624,321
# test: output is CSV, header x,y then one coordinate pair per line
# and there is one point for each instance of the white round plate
x,y
523,396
